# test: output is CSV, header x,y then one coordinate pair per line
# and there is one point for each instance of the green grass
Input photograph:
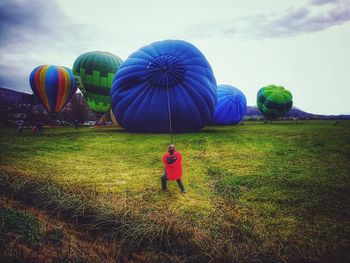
x,y
270,192
23,226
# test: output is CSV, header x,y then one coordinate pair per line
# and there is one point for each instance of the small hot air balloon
x,y
94,72
230,107
53,85
274,101
163,87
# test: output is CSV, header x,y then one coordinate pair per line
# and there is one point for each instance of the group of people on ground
x,y
37,129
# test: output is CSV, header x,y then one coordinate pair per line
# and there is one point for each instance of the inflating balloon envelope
x,y
94,72
53,85
167,86
274,101
230,107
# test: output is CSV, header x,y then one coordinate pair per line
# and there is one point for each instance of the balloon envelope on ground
x,y
53,85
94,72
274,101
230,107
166,74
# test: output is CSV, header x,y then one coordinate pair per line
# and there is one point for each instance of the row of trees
x,y
29,110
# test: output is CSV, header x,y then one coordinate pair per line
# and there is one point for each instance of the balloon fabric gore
x,y
166,76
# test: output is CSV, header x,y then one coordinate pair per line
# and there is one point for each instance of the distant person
x,y
76,124
172,161
34,130
20,129
40,128
336,123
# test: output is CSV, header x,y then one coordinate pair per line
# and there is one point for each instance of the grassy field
x,y
255,193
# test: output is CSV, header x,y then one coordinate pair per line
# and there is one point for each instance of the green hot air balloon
x,y
94,73
274,101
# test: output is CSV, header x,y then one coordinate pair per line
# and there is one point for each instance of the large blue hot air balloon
x,y
230,107
166,78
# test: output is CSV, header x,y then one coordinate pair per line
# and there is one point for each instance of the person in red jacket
x,y
173,168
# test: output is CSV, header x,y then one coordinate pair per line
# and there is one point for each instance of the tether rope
x,y
169,111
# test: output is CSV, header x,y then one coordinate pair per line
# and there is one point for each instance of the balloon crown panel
x,y
165,71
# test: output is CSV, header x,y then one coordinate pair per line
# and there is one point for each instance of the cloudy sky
x,y
303,45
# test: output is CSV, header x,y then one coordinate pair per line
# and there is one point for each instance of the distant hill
x,y
7,95
296,113
252,111
10,97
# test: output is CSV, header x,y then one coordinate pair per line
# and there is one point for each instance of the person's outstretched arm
x,y
171,160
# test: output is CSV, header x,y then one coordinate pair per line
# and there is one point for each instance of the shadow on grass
x,y
168,235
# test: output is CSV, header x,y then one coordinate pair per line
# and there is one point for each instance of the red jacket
x,y
173,165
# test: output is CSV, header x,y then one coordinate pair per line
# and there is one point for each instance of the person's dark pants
x,y
164,178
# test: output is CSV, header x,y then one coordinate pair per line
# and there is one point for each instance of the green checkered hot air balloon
x,y
94,72
274,101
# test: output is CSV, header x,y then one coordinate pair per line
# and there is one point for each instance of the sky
x,y
303,45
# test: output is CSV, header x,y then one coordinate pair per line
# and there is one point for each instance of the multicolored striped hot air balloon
x,y
94,72
274,101
53,85
230,106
